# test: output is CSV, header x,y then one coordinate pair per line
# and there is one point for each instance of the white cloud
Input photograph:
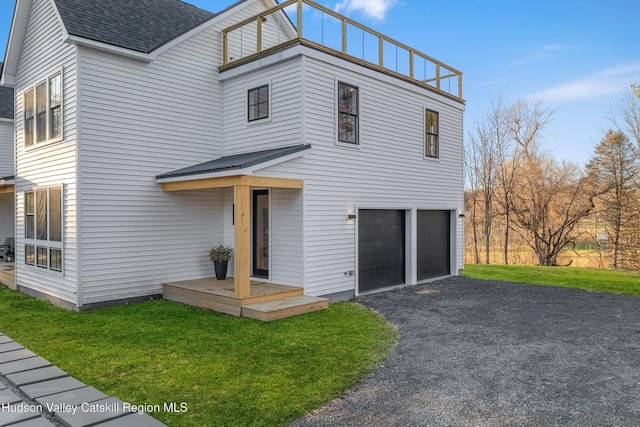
x,y
540,54
603,83
376,9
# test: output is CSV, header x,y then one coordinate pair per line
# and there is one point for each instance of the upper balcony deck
x,y
304,21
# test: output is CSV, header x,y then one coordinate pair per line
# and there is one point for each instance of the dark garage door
x,y
381,248
433,244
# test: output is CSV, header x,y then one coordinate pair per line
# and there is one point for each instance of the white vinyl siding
x,y
286,237
7,224
43,55
134,233
6,148
389,171
284,125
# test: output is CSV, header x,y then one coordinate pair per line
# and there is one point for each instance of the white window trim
x,y
254,85
47,141
336,106
424,134
49,244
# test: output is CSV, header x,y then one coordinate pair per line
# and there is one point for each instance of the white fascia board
x,y
373,73
81,41
262,62
17,33
233,172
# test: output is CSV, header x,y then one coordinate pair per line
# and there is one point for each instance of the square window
x,y
41,257
258,103
55,259
29,255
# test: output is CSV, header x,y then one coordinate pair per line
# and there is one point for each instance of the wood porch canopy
x,y
237,171
7,184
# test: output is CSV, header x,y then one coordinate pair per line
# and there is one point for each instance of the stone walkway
x,y
34,393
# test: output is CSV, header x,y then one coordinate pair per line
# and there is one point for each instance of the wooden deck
x,y
8,274
267,301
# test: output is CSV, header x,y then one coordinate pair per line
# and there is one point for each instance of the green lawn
x,y
617,282
230,371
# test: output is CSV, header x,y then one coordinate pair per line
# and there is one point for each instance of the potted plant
x,y
220,256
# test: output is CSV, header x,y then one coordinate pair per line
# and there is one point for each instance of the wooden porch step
x,y
285,307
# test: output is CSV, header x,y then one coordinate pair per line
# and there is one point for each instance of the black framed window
x,y
431,136
258,103
347,113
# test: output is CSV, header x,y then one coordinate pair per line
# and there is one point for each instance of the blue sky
x,y
575,56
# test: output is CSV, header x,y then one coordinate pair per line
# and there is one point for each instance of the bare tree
x,y
629,110
613,170
482,157
550,200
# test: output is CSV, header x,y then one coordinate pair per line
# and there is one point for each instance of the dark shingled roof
x,y
236,161
140,25
6,100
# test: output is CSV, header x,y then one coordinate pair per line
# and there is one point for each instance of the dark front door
x,y
381,248
434,244
260,239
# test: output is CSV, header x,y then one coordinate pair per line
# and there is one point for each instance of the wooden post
x,y
225,48
259,34
299,19
242,227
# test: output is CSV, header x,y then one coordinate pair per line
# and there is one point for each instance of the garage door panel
x,y
434,244
381,248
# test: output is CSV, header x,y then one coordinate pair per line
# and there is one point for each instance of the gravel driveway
x,y
488,353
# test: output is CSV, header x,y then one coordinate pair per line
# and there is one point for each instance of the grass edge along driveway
x,y
228,370
612,281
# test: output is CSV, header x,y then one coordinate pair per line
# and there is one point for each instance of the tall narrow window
x,y
29,213
55,214
258,103
55,107
41,215
347,113
431,136
43,212
41,112
29,119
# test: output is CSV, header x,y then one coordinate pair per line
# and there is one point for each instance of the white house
x,y
147,132
7,208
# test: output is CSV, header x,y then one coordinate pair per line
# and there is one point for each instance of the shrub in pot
x,y
220,256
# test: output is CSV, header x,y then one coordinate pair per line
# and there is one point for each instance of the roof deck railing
x,y
327,30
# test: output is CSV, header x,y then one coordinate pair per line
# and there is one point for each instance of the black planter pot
x,y
221,269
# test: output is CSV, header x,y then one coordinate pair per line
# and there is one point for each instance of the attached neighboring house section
x,y
139,145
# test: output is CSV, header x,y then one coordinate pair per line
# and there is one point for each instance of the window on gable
x,y
43,111
347,113
258,103
43,228
431,136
